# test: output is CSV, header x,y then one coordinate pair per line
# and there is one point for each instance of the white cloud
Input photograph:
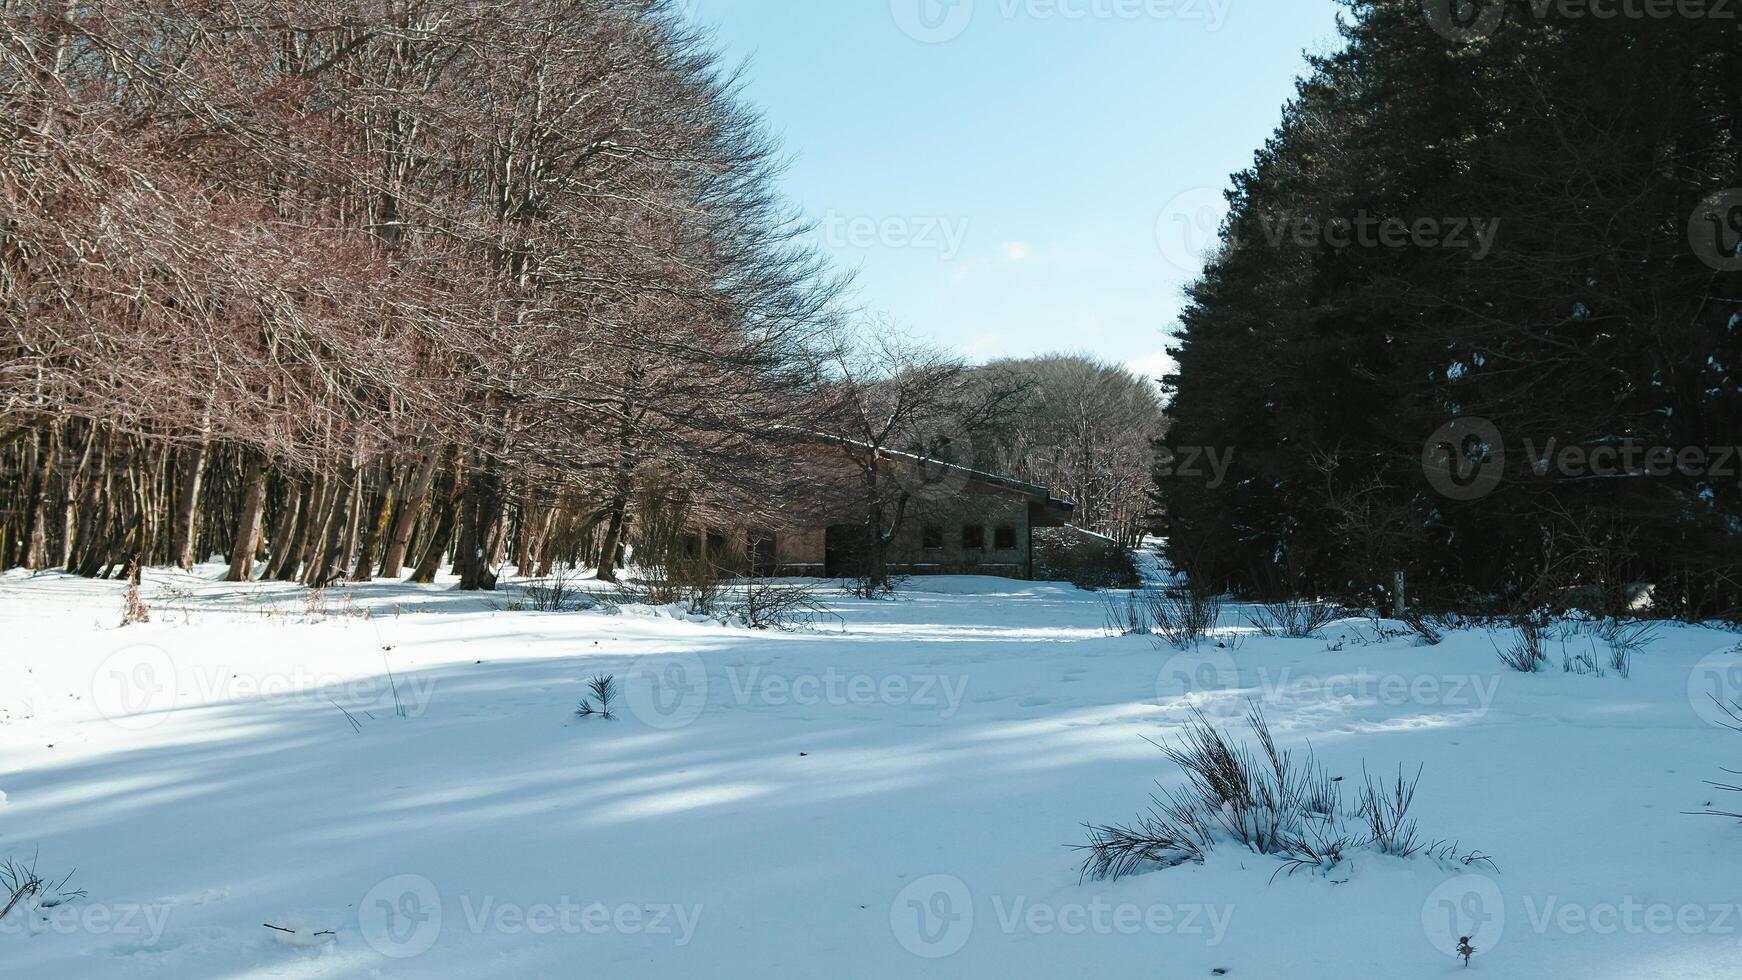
x,y
1016,251
1152,365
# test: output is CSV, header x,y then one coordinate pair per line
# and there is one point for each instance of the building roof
x,y
1040,493
982,476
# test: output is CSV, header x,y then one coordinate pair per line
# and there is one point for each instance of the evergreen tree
x,y
1555,293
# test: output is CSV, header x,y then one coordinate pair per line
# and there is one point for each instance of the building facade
x,y
972,523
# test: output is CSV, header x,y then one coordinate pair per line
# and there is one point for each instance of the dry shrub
x,y
1266,801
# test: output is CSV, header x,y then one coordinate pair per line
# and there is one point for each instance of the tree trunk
x,y
524,517
36,533
248,521
327,562
616,526
442,528
308,525
191,475
92,517
282,540
431,562
393,561
375,526
78,499
480,508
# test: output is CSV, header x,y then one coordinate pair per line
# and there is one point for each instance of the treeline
x,y
1475,321
1081,426
343,288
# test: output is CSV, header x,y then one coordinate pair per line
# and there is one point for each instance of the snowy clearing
x,y
398,782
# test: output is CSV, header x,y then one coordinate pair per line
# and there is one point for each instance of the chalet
x,y
957,521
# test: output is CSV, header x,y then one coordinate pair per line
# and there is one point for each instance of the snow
x,y
890,795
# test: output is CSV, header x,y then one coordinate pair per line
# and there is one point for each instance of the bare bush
x,y
1294,618
1581,663
315,605
559,591
1734,712
25,891
1257,800
1622,637
761,604
1390,829
865,586
135,610
1126,614
1626,638
1621,661
1264,800
1423,626
1525,652
705,590
1173,832
697,585
1181,616
1173,615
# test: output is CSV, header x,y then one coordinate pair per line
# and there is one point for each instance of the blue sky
x,y
1011,177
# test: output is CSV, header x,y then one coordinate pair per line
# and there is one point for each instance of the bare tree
x,y
899,415
325,283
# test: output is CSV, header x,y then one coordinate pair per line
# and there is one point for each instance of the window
x,y
933,537
692,546
973,537
1004,539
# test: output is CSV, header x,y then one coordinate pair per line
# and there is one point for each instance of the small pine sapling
x,y
603,688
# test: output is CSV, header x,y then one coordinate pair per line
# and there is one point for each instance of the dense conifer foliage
x,y
1476,318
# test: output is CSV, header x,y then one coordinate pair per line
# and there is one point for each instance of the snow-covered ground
x,y
892,795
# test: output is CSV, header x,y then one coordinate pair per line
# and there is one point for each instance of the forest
x,y
334,290
1473,324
